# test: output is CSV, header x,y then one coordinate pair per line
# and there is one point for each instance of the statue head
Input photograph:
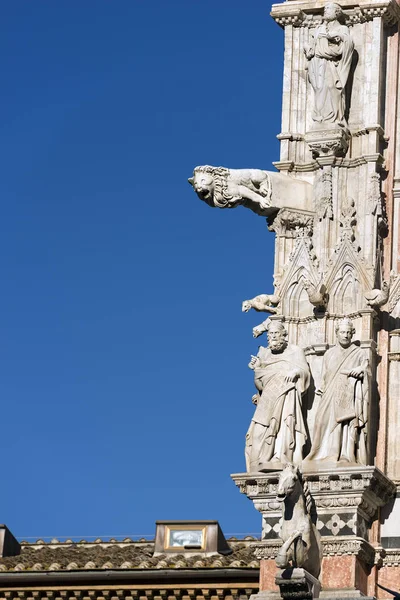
x,y
333,12
344,332
277,335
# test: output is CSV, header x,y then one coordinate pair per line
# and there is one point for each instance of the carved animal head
x,y
210,184
203,184
246,306
289,482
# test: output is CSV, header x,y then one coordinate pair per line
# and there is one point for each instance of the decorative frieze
x,y
340,546
289,222
286,15
355,479
328,142
389,557
345,502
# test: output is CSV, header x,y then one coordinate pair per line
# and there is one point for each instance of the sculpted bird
x,y
317,294
262,303
377,298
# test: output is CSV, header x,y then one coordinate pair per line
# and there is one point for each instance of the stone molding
x,y
288,222
349,479
299,585
356,546
334,161
338,546
344,502
285,15
369,479
390,557
328,143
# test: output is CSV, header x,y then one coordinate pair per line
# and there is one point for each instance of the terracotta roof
x,y
126,554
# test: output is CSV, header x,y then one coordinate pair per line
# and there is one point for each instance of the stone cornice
x,y
339,546
333,317
349,479
390,557
307,14
354,490
348,163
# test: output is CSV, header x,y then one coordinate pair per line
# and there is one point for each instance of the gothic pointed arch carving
x,y
300,270
347,279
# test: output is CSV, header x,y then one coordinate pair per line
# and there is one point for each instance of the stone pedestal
x,y
297,583
328,142
291,584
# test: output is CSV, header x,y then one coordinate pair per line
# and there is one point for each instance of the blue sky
x,y
125,392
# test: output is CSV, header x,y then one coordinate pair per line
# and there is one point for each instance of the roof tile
x,y
127,554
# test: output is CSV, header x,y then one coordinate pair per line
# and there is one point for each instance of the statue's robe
x,y
277,431
341,416
328,72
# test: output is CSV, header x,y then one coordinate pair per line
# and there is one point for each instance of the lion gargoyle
x,y
264,192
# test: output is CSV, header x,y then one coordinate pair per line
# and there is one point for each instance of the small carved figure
x,y
317,294
264,192
330,55
277,432
340,431
377,298
227,188
261,303
261,328
301,539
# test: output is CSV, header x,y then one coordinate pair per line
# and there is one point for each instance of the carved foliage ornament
x,y
291,223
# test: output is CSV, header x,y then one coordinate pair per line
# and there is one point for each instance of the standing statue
x,y
277,432
301,540
340,431
330,55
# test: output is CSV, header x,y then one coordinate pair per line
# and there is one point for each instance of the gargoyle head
x,y
246,306
203,185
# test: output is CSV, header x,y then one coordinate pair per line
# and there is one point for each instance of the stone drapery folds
x,y
329,60
277,432
340,432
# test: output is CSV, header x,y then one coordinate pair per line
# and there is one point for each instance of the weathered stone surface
x,y
277,432
340,431
301,540
329,55
297,584
345,501
264,192
338,257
